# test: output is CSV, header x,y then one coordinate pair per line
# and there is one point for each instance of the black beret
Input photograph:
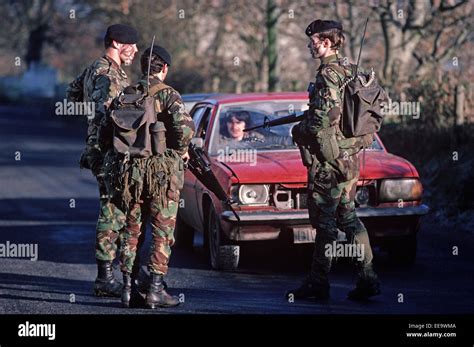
x,y
122,33
319,26
161,52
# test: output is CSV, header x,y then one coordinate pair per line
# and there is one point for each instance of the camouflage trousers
x,y
163,221
332,188
111,220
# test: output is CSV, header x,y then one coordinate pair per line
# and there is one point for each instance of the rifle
x,y
200,166
292,118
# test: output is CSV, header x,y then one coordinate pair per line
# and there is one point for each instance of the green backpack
x,y
136,131
362,104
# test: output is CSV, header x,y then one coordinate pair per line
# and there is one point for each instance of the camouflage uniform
x,y
333,173
155,183
100,83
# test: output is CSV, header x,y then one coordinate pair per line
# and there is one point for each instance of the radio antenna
x,y
149,66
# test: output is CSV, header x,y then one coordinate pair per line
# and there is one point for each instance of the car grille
x,y
290,199
298,198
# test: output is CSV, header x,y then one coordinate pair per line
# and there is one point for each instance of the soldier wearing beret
x,y
333,168
152,184
99,83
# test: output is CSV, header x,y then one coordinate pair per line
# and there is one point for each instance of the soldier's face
x,y
236,127
127,53
318,48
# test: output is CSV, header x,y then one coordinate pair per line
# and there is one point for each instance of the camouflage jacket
x,y
101,82
325,107
172,112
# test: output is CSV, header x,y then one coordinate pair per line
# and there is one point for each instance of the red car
x,y
263,173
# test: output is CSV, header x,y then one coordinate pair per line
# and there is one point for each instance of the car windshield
x,y
228,135
233,118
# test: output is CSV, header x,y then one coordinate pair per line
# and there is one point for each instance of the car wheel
x,y
183,234
222,256
403,251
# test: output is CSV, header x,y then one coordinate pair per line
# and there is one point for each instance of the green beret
x,y
122,33
319,26
161,52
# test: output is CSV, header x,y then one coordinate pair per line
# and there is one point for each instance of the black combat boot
x,y
105,283
142,279
131,297
364,290
157,295
309,290
126,290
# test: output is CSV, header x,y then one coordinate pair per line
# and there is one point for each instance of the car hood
x,y
380,164
286,167
270,167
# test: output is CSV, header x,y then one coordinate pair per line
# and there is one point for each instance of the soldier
x,y
155,183
333,168
100,83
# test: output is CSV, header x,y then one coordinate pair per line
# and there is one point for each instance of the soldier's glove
x,y
92,159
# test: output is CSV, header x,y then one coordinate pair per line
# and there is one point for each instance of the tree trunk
x,y
36,41
459,104
273,14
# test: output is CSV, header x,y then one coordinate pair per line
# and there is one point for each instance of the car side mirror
x,y
198,142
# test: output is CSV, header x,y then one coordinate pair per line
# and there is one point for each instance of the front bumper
x,y
293,217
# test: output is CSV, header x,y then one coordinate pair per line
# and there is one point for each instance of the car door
x,y
191,211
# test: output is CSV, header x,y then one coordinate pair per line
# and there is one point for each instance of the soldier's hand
x,y
95,160
185,157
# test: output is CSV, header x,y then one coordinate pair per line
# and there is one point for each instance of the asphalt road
x,y
36,208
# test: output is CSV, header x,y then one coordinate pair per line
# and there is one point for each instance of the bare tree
x,y
33,24
414,30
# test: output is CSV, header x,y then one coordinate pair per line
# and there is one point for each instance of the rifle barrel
x,y
292,118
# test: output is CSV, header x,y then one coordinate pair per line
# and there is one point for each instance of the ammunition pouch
x,y
176,182
326,148
158,138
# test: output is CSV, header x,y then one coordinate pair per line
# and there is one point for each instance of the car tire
x,y
403,251
222,256
183,234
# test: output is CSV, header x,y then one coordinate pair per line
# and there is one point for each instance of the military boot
x,y
126,290
309,290
105,283
157,295
142,280
364,290
131,297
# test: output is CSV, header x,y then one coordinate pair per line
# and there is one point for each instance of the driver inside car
x,y
233,125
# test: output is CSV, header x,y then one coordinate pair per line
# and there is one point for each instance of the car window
x,y
197,114
203,122
376,145
233,118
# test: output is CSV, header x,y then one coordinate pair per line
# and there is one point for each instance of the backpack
x,y
363,101
136,132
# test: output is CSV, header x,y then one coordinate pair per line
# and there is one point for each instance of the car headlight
x,y
254,194
404,189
